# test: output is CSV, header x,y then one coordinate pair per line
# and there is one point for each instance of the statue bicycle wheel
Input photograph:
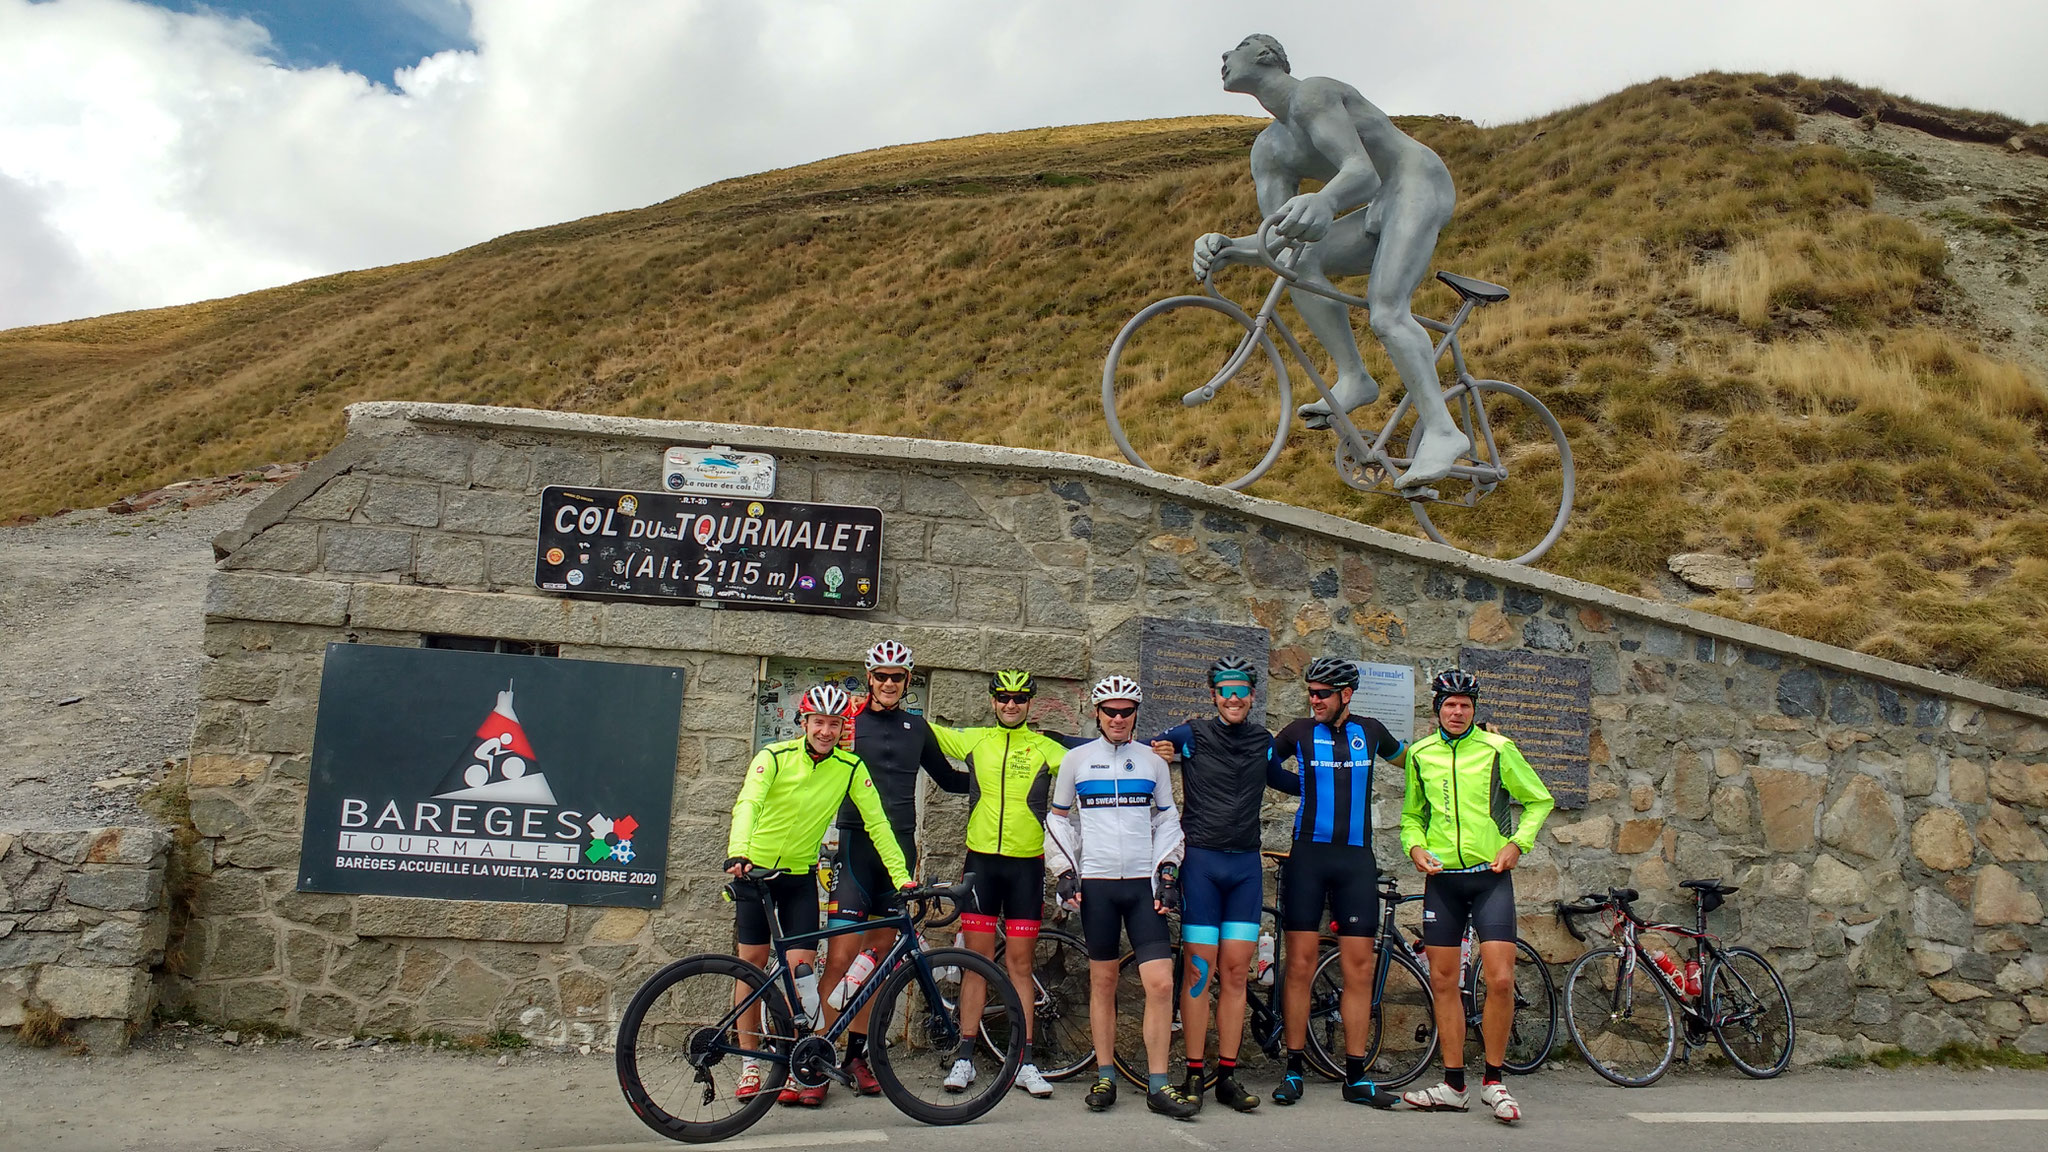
x,y
1515,485
1172,407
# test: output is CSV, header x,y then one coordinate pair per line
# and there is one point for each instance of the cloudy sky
x,y
159,153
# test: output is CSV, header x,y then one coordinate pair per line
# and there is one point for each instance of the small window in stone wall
x,y
486,644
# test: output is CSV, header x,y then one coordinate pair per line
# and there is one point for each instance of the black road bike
x,y
1624,1011
682,1046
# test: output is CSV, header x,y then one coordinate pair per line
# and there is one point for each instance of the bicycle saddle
x,y
1471,289
1710,884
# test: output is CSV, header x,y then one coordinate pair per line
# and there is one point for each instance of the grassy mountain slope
x,y
1747,356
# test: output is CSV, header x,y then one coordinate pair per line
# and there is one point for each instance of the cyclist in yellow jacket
x,y
1458,828
792,791
1010,772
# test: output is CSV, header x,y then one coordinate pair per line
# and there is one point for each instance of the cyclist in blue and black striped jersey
x,y
1331,865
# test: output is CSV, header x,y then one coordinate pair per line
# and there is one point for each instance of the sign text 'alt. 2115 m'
x,y
692,547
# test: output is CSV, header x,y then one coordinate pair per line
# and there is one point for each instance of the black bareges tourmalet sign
x,y
480,776
733,549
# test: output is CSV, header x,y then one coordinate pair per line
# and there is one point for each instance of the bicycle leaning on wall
x,y
1147,376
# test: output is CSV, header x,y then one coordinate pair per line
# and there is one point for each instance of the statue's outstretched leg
x,y
1406,244
1346,251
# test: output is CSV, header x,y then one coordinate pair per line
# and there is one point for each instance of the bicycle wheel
x,y
1403,1037
1060,1041
1750,1013
677,1052
912,1052
1325,1034
1534,1026
1169,354
1619,1017
1520,513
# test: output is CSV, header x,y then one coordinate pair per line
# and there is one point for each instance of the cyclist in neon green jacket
x,y
792,791
1010,772
1458,828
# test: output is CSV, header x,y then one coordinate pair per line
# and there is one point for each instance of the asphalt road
x,y
211,1098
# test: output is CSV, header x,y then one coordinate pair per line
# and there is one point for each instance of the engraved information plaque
x,y
1173,667
1544,704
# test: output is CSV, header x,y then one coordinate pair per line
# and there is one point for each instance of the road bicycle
x,y
1061,1044
1623,1009
1170,344
1263,1052
1532,1030
681,1043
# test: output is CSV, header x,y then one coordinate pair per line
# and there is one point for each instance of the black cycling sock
x,y
1455,1077
1492,1074
1226,1064
1354,1068
966,1049
856,1045
1026,1057
1294,1062
1194,1069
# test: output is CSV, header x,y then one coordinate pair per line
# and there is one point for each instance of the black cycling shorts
x,y
1112,908
1006,888
1450,900
796,907
860,883
1342,878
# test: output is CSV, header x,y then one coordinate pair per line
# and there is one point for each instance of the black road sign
x,y
661,544
480,776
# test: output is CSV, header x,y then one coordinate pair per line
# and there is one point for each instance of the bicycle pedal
x,y
1418,494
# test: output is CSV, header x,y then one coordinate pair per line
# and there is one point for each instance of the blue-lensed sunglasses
x,y
1234,691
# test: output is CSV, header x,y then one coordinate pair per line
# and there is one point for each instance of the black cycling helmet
x,y
1456,682
1332,671
1233,668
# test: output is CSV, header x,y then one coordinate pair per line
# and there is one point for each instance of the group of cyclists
x,y
1101,813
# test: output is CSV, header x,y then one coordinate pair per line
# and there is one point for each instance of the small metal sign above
x,y
608,542
718,471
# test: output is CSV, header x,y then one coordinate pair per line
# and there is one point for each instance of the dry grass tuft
x,y
1746,357
41,1027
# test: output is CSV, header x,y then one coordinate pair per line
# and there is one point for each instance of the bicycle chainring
x,y
1364,475
811,1061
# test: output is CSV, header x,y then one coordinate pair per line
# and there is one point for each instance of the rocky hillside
x,y
1795,327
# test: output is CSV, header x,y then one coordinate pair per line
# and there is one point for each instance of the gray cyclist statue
x,y
1324,130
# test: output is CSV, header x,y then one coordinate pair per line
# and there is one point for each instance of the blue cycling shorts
x,y
1220,896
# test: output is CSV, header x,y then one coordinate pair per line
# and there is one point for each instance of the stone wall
x,y
1884,822
82,926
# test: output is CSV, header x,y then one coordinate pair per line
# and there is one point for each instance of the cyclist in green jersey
x,y
1010,773
1458,828
792,791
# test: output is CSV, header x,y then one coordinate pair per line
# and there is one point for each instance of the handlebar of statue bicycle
x,y
917,899
1269,255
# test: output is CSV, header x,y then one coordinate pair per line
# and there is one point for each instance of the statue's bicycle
x,y
1169,344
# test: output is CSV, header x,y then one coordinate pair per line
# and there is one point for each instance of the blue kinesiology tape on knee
x,y
1201,977
1201,934
1239,930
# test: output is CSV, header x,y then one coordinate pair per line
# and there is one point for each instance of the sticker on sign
x,y
718,470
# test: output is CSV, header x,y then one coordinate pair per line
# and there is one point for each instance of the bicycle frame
x,y
1627,929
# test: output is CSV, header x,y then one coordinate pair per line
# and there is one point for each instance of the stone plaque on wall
x,y
1173,667
1544,703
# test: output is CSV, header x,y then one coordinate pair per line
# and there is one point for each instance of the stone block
x,y
1862,820
2034,1041
1638,836
337,499
2024,974
286,547
125,845
925,592
1045,653
1112,585
1591,832
406,608
215,814
1787,800
393,502
1553,635
239,596
868,487
285,726
1274,565
365,968
327,912
1731,811
469,993
1692,782
504,466
95,993
2005,833
905,540
1881,961
225,769
246,946
938,496
979,546
19,949
347,548
672,627
1045,606
451,561
437,456
2017,783
509,563
1778,924
1926,1031
1966,782
1834,885
1936,917
461,919
325,1015
492,514
1941,840
2000,898
119,889
986,599
1799,693
255,1002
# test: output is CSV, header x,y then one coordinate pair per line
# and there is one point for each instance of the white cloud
x,y
149,158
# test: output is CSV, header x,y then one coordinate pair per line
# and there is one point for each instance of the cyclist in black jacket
x,y
895,744
1226,764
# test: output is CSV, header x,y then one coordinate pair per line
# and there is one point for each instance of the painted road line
x,y
786,1140
1946,1116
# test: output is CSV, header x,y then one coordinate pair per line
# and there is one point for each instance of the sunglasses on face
x,y
890,677
1011,697
1234,691
1322,693
1123,713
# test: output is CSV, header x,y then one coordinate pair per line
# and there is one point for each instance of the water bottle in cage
x,y
807,993
1465,957
1668,966
1691,986
1264,965
862,967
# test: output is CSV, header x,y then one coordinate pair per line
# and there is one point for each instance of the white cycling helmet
x,y
828,699
890,654
1116,688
